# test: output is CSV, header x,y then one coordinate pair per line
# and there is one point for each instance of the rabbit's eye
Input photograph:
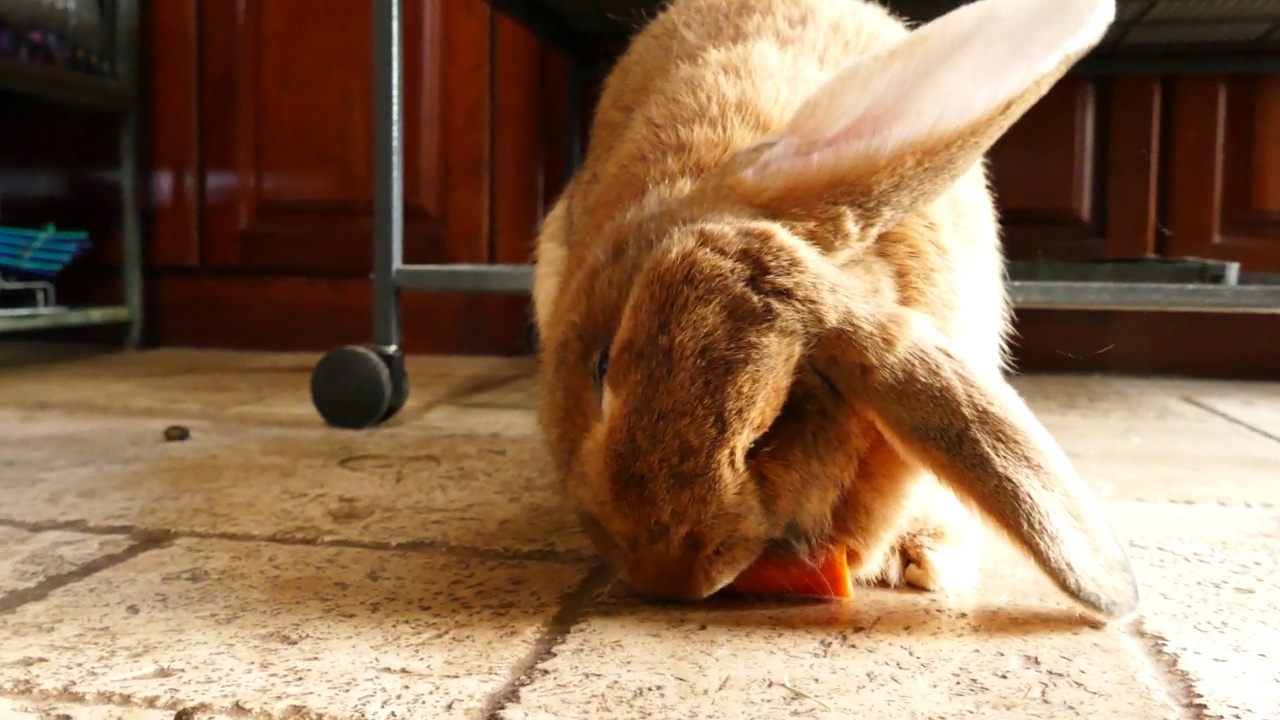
x,y
602,366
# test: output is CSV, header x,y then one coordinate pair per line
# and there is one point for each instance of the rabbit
x,y
771,302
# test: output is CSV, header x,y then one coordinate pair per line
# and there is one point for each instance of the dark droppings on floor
x,y
177,433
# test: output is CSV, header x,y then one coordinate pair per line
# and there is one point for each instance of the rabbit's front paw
x,y
940,562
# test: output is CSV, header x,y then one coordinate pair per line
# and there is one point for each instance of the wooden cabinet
x,y
264,169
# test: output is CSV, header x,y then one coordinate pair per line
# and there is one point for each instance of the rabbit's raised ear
x,y
893,129
977,435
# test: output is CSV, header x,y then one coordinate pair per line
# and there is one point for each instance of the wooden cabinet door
x,y
1224,171
286,133
1075,178
276,248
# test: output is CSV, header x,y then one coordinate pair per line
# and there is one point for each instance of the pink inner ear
x,y
862,127
937,79
792,151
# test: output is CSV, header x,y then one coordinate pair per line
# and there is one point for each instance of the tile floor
x,y
268,567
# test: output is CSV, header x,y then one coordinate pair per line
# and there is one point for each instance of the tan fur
x,y
759,323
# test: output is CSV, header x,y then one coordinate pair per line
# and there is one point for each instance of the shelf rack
x,y
115,94
362,386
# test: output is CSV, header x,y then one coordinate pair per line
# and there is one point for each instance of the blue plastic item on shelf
x,y
42,253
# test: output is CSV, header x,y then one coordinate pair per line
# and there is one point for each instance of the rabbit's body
x,y
710,78
696,415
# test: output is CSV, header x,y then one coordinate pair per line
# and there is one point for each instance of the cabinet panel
x,y
308,142
170,77
287,129
1075,178
1044,167
1224,170
518,173
282,143
1251,167
1045,175
1266,145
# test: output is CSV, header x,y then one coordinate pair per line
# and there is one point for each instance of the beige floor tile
x,y
1260,411
41,710
1142,439
250,387
1014,649
1212,579
519,393
1206,637
300,632
430,480
1082,396
484,419
27,558
1084,391
289,630
1193,462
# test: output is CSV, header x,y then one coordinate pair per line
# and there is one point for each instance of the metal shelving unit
x,y
115,94
362,386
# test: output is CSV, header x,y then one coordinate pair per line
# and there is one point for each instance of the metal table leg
x,y
388,174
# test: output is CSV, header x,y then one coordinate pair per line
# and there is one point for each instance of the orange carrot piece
x,y
826,575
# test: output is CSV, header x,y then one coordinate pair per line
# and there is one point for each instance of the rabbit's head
x,y
699,371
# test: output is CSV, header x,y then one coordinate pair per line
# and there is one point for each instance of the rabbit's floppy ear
x,y
895,128
976,434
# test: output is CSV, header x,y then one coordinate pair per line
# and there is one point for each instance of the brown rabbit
x,y
772,305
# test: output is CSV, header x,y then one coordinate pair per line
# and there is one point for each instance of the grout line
x,y
1177,685
457,398
481,387
573,608
143,534
11,601
464,403
1230,418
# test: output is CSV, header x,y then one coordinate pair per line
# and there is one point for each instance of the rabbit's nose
x,y
669,577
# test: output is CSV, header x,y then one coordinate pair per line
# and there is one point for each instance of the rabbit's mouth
x,y
795,541
806,466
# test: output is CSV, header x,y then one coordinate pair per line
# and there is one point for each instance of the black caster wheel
x,y
359,386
